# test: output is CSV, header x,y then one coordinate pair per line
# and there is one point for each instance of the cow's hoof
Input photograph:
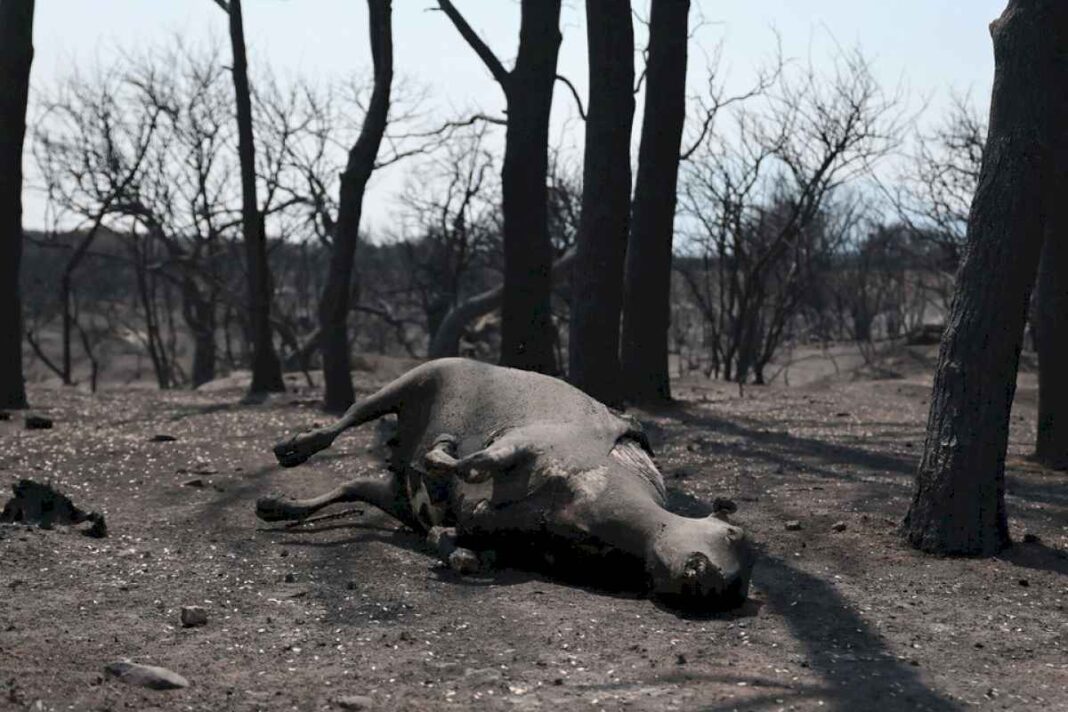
x,y
299,448
272,509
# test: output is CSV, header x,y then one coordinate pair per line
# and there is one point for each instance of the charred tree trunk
x,y
198,311
526,317
647,284
1051,341
334,305
16,56
266,369
597,285
959,504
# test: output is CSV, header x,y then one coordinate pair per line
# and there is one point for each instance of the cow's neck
x,y
629,518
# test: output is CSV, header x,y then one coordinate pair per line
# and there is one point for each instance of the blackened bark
x,y
334,305
1050,328
526,318
959,504
597,283
266,369
647,283
16,56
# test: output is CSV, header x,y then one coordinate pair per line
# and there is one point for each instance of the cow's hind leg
x,y
297,449
382,493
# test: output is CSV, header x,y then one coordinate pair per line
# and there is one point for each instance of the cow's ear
x,y
499,457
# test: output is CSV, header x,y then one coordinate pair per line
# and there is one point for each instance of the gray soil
x,y
357,607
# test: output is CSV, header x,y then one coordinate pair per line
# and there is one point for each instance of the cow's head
x,y
700,563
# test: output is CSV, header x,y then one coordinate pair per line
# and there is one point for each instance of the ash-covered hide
x,y
523,464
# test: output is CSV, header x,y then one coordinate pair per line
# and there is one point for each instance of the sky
x,y
931,48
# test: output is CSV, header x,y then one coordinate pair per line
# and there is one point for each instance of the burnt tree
x,y
959,503
526,319
334,304
1050,327
16,56
647,282
597,281
266,368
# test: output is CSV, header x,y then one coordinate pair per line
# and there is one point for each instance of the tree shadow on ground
x,y
840,646
1037,556
836,460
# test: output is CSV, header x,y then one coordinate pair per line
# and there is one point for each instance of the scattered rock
x,y
463,561
1024,582
193,616
354,702
792,526
162,438
482,676
680,659
839,526
1031,538
38,422
290,578
150,676
41,504
197,482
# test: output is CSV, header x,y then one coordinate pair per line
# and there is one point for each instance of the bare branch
x,y
487,56
574,93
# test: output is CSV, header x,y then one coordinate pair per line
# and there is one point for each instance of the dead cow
x,y
519,462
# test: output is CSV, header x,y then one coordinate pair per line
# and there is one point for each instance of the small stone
x,y
193,616
38,422
463,561
1031,538
283,553
4,415
792,526
150,676
680,659
839,526
352,585
196,482
1025,583
290,578
162,438
354,702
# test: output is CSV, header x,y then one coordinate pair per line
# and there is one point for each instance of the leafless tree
x,y
526,329
759,197
959,503
266,368
597,284
16,56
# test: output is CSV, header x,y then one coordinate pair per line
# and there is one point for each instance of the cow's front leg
x,y
479,466
382,493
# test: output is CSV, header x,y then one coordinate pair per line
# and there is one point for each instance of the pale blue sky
x,y
933,47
